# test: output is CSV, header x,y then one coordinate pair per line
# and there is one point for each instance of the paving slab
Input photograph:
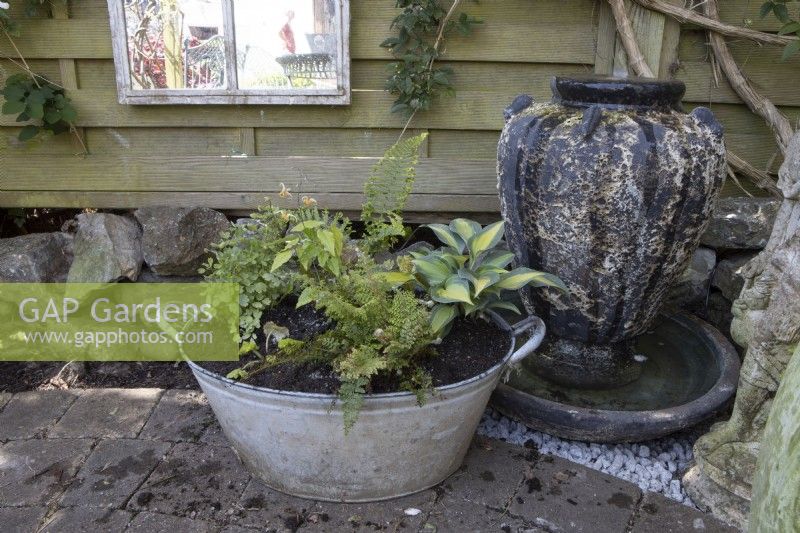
x,y
261,507
179,416
657,513
160,523
4,397
21,519
37,470
561,495
30,414
113,472
87,520
214,436
194,481
107,413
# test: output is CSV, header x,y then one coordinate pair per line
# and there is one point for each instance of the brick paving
x,y
149,460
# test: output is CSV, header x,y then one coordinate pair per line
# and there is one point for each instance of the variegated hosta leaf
x,y
464,228
448,237
486,239
441,316
455,290
497,259
519,277
500,304
434,270
479,281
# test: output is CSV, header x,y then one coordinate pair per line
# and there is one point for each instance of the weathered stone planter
x,y
610,187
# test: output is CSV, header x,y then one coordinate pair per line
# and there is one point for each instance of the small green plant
x,y
421,28
469,273
316,239
386,193
791,26
244,255
35,98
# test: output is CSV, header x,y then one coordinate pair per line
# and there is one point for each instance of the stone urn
x,y
610,186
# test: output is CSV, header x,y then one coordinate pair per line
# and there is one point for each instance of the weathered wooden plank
x,y
370,109
746,12
448,144
778,84
532,32
606,40
218,174
49,68
165,141
10,147
648,27
287,142
235,200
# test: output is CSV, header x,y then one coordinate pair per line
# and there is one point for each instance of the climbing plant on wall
x,y
791,26
422,27
34,99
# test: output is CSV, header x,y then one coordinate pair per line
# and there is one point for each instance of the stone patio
x,y
154,460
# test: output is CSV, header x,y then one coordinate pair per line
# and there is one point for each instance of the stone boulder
x,y
107,248
728,277
691,289
34,258
741,223
175,240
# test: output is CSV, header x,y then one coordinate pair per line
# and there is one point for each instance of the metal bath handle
x,y
532,322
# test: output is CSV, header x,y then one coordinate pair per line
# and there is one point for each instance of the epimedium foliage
x,y
36,98
413,79
468,274
791,26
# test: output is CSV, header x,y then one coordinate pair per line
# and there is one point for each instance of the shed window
x,y
231,51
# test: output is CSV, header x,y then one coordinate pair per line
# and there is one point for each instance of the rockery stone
x,y
35,258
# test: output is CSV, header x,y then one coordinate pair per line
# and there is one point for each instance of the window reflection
x,y
287,44
176,44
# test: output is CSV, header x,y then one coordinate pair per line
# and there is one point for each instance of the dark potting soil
x,y
471,347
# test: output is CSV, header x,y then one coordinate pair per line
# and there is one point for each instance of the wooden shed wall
x,y
182,155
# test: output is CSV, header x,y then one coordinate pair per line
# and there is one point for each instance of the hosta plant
x,y
469,273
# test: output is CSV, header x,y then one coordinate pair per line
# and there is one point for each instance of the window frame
x,y
128,95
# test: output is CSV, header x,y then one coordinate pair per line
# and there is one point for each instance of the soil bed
x,y
471,348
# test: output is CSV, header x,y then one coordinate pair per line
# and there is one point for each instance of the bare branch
x,y
626,34
761,179
757,103
714,24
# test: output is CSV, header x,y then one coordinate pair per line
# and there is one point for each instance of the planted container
x,y
295,442
609,186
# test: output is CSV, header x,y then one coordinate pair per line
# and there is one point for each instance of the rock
x,y
34,258
175,240
107,248
691,290
727,277
148,276
718,313
741,223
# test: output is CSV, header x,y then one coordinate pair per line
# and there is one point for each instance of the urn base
x,y
577,364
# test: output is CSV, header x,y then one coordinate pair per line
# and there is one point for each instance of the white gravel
x,y
654,466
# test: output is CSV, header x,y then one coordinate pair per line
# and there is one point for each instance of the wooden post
x,y
656,34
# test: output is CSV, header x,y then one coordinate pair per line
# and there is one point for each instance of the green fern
x,y
386,193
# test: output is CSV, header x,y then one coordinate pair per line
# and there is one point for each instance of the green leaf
x,y
35,110
497,259
306,224
12,107
395,278
69,114
28,133
281,259
781,12
464,228
449,238
790,50
486,239
325,236
14,92
51,116
500,304
246,348
237,374
765,10
432,269
790,27
442,315
454,290
306,297
484,281
519,277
